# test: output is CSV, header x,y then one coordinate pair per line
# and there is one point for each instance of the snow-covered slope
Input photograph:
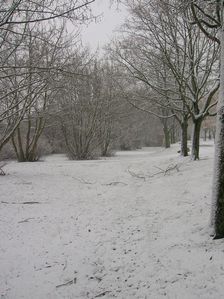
x,y
132,226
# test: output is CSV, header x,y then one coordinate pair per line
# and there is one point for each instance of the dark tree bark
x,y
196,139
166,132
206,20
184,135
205,134
218,177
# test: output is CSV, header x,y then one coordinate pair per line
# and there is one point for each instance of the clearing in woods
x,y
132,226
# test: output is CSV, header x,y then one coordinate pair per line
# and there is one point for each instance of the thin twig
x,y
102,294
161,171
172,167
73,281
81,180
65,265
115,183
25,220
136,175
21,203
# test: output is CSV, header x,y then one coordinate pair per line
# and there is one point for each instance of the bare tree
x,y
23,12
112,107
15,17
46,52
154,88
166,35
209,16
80,110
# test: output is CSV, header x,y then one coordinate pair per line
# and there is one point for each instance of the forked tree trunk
x,y
105,140
196,139
218,175
17,144
184,147
25,145
104,149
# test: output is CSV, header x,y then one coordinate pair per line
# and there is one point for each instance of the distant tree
x,y
106,106
80,107
111,109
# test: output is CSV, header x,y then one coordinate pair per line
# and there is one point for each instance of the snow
x,y
113,228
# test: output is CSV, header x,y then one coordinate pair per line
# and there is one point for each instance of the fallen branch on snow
x,y
21,203
102,294
136,175
115,184
166,171
1,169
81,180
73,281
25,220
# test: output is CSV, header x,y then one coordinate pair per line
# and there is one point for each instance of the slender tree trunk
x,y
14,146
3,143
218,175
104,149
19,138
196,139
166,136
213,133
184,130
20,146
209,135
173,134
17,145
205,134
105,140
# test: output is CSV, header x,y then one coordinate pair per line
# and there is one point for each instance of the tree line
x,y
51,85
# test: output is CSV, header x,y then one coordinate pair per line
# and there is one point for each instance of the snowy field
x,y
131,226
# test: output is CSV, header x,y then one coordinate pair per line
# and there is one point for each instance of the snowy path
x,y
109,229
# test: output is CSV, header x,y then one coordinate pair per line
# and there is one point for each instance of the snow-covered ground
x,y
132,226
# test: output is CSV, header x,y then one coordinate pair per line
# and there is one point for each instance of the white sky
x,y
100,33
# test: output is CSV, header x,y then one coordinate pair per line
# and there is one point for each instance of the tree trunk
x,y
218,175
209,134
20,140
166,136
205,134
173,135
14,146
18,146
105,148
196,139
213,133
184,147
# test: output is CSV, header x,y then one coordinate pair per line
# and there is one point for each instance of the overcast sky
x,y
98,34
